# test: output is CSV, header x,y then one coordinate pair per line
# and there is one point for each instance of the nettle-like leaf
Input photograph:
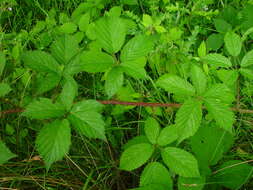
x,y
247,60
136,140
95,61
228,77
233,43
180,162
199,79
53,141
135,68
248,73
138,46
43,109
86,119
4,89
176,85
233,174
152,129
209,149
110,33
46,82
156,173
74,66
5,153
135,156
188,118
114,81
185,183
216,60
167,135
41,61
64,48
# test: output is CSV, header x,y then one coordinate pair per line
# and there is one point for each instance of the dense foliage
x,y
129,94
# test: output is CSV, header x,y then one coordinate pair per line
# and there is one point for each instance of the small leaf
x,y
138,46
217,60
233,174
188,119
181,162
199,79
95,61
135,68
110,33
247,60
152,129
4,89
248,73
191,183
233,43
156,173
2,62
40,61
84,22
176,85
5,153
202,49
68,28
135,156
43,109
53,141
167,135
113,81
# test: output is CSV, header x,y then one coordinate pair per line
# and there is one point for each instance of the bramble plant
x,y
161,89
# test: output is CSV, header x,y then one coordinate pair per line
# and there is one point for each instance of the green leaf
x,y
5,153
221,113
86,120
228,77
202,49
64,49
4,89
156,173
247,60
2,62
191,183
110,33
138,46
74,66
217,60
84,22
135,156
214,41
176,85
209,149
53,141
136,140
152,187
69,92
188,119
40,61
233,43
222,26
135,68
167,135
114,81
95,61
43,109
248,73
199,79
46,82
68,28
233,174
152,129
180,162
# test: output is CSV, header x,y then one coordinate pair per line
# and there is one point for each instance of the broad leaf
x,y
233,43
137,47
5,153
113,81
222,26
221,113
46,82
110,33
209,149
176,85
191,183
181,162
43,109
53,141
68,28
199,79
4,89
136,140
167,135
156,173
41,61
135,156
86,120
84,22
64,49
188,119
217,60
248,73
95,61
214,41
233,174
228,77
152,129
135,68
74,66
247,59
